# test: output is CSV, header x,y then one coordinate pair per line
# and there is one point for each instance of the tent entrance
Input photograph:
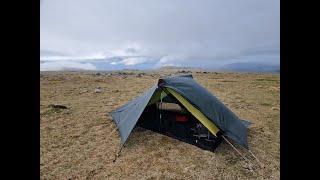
x,y
177,122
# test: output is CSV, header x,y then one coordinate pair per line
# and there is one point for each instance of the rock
x,y
57,106
98,90
275,109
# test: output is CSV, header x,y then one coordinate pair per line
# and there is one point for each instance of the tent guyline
x,y
256,158
181,108
246,159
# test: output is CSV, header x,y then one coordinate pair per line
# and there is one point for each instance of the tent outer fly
x,y
181,108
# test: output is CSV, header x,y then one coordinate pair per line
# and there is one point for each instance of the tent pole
x,y
237,150
160,109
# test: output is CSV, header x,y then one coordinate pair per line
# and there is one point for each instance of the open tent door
x,y
177,118
195,112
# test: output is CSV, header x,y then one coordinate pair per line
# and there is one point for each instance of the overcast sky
x,y
158,32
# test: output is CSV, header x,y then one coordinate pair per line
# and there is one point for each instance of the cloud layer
x,y
65,65
171,31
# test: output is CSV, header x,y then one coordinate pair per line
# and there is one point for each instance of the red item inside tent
x,y
181,118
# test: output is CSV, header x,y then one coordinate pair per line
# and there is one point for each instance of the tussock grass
x,y
80,142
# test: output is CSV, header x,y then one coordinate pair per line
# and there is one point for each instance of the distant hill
x,y
252,67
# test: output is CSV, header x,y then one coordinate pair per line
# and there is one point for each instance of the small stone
x,y
98,90
57,106
274,109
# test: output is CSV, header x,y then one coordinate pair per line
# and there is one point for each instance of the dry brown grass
x,y
80,142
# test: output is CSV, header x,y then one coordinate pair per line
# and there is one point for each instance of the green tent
x,y
181,108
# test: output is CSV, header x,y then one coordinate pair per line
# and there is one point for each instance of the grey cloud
x,y
65,65
207,30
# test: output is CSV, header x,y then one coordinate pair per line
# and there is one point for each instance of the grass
x,y
81,141
275,80
228,81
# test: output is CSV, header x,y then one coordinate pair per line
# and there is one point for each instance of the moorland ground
x,y
80,141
